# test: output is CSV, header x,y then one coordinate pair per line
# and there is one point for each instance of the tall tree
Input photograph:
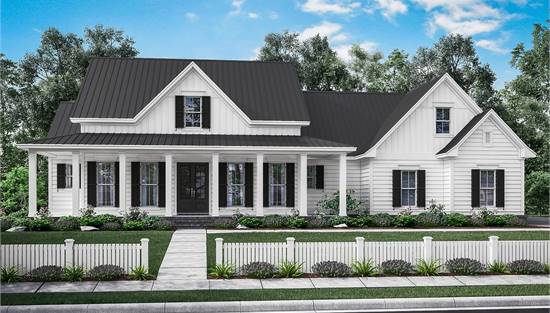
x,y
367,69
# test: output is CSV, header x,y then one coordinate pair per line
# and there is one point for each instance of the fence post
x,y
145,253
219,250
492,254
290,249
427,248
360,249
69,252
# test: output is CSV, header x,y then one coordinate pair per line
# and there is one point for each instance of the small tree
x,y
537,193
15,190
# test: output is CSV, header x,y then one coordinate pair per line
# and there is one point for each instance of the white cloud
x,y
340,37
390,8
191,17
343,50
273,15
255,53
491,45
253,15
329,6
237,6
327,29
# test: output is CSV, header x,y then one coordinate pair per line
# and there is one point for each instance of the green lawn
x,y
158,240
273,294
370,236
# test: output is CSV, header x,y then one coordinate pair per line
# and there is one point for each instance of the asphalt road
x,y
522,310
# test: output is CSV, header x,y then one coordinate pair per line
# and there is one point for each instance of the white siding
x,y
161,118
60,200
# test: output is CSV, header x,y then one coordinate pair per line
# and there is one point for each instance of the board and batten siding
x,y
161,118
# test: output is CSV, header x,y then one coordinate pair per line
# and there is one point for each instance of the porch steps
x,y
187,222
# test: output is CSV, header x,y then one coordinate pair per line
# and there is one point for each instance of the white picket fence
x,y
27,257
309,253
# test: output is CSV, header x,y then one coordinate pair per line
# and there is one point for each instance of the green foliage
x,y
275,221
111,226
497,267
337,220
428,268
40,223
297,222
331,269
546,268
14,190
46,273
106,272
67,223
330,203
5,223
537,194
9,274
396,267
134,214
382,220
97,220
75,273
360,221
140,273
290,270
162,224
427,219
149,221
405,221
494,220
526,267
456,220
222,271
464,266
365,268
251,222
259,270
133,225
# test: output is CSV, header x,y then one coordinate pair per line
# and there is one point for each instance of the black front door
x,y
192,188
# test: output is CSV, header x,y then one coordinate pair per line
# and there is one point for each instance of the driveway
x,y
538,221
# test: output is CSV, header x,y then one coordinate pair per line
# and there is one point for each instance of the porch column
x,y
215,184
342,185
76,182
259,184
32,183
122,181
302,184
82,182
168,159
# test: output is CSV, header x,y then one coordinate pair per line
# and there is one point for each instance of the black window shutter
x,y
396,185
179,112
248,185
162,185
222,185
205,112
117,185
320,177
92,184
290,185
500,190
134,177
266,184
421,188
61,175
475,189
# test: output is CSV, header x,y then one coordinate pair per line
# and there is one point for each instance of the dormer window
x,y
192,112
442,120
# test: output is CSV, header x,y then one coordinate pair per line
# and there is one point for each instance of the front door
x,y
192,188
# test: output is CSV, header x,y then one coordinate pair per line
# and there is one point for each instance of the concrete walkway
x,y
185,258
377,230
276,283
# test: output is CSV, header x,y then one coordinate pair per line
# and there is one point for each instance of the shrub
x,y
497,267
336,220
537,195
250,222
20,221
436,208
290,270
149,221
97,220
275,221
546,268
330,203
111,226
331,269
456,220
319,221
67,223
134,214
5,223
75,273
139,273
405,221
297,222
133,225
259,270
14,190
382,220
40,224
513,220
224,271
428,219
106,272
46,273
526,267
364,269
428,268
494,220
162,225
464,266
360,221
9,274
396,267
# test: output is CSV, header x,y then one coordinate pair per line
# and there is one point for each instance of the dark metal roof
x,y
463,132
357,118
61,125
187,140
122,87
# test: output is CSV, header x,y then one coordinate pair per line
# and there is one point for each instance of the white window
x,y
442,120
105,183
311,177
277,184
69,176
487,188
408,188
235,184
192,112
487,137
149,183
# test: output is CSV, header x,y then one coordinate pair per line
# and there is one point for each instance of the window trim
x,y
494,188
185,112
408,188
112,185
313,177
282,185
141,184
68,176
437,120
242,185
484,137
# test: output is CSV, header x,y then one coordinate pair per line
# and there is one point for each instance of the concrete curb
x,y
317,306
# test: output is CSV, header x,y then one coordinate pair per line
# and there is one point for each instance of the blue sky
x,y
234,29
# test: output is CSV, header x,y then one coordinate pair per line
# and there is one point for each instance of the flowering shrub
x,y
106,272
46,273
526,267
464,266
396,267
331,269
259,270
